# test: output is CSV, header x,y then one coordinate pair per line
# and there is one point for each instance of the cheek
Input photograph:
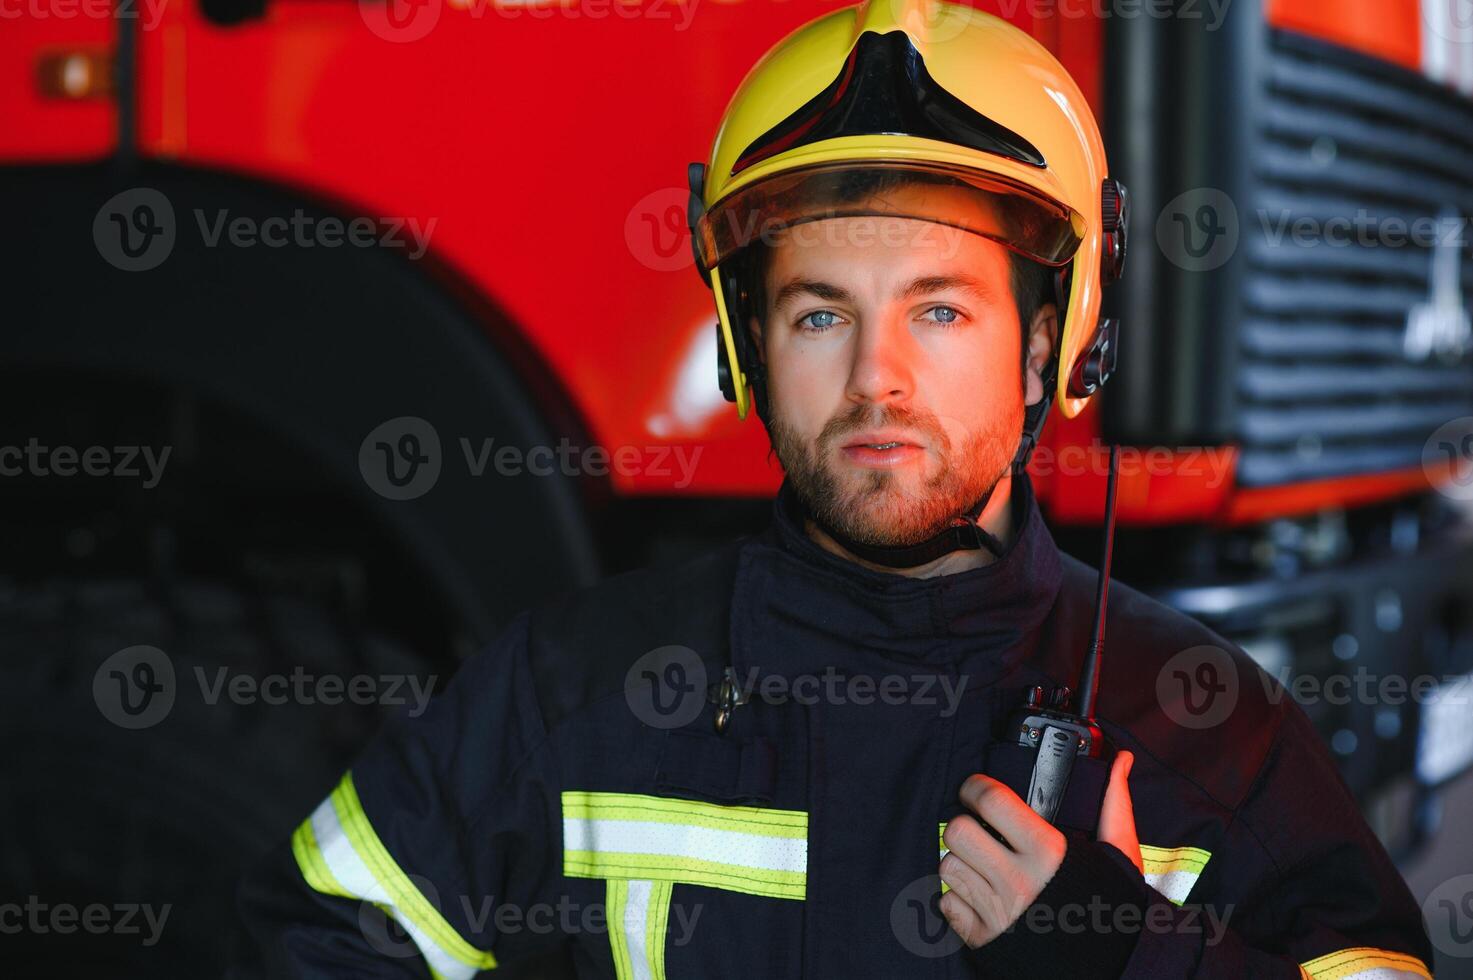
x,y
973,384
804,387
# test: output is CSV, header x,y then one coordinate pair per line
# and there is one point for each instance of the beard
x,y
892,507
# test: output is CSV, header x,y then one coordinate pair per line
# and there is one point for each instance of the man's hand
x,y
992,882
1117,815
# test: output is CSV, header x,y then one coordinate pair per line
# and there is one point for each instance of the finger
x,y
1117,816
964,920
996,803
976,890
968,840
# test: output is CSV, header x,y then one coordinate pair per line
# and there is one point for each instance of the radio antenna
x,y
1089,681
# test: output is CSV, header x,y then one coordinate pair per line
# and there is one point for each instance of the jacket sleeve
x,y
1321,899
431,854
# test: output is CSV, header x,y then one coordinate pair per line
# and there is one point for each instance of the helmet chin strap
x,y
964,532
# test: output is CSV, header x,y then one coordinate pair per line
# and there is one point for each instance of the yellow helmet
x,y
931,88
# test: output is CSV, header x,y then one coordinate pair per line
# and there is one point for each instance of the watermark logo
x,y
386,934
1448,913
1363,228
1214,464
680,12
315,231
42,918
1211,12
1447,459
834,687
666,687
1198,687
134,688
134,230
147,12
1198,231
34,459
650,235
917,922
938,21
400,459
400,21
1450,22
655,230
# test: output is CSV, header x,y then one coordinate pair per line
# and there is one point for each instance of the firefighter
x,y
771,760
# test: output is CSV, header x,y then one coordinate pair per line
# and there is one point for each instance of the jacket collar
x,y
797,607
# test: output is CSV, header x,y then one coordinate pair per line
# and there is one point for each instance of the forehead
x,y
882,249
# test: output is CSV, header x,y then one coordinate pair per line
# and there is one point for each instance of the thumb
x,y
1117,816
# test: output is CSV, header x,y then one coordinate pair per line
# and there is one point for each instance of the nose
x,y
882,370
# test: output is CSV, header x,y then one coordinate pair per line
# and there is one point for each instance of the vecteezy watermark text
x,y
39,918
306,231
1215,463
301,687
401,459
36,459
136,230
667,687
136,688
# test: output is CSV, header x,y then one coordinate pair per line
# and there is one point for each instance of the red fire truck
x,y
398,296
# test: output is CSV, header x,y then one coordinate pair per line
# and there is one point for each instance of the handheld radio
x,y
1057,735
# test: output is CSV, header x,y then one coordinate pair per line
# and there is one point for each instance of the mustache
x,y
859,419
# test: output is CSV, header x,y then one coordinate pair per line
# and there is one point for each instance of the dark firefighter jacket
x,y
570,788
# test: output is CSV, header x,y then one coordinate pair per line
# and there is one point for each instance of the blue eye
x,y
819,320
945,314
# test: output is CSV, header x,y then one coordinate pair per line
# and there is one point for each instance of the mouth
x,y
881,439
882,448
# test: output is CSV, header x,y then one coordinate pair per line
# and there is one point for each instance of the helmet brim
x,y
1013,215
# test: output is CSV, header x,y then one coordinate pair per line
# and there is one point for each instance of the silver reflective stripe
x,y
636,923
681,841
636,837
1173,871
339,853
1174,885
350,871
639,919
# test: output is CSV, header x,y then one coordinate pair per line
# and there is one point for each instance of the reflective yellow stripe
x,y
658,927
394,881
617,898
631,836
1365,963
690,871
638,914
692,813
340,854
1173,871
314,868
941,840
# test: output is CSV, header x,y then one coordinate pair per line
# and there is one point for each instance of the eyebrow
x,y
936,284
829,292
812,287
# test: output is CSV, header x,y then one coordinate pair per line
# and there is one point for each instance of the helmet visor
x,y
1008,213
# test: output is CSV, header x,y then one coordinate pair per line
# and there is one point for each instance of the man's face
x,y
895,388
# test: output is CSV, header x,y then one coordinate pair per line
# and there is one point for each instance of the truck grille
x,y
1325,386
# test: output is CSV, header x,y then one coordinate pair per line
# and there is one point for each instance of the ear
x,y
754,330
1043,334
